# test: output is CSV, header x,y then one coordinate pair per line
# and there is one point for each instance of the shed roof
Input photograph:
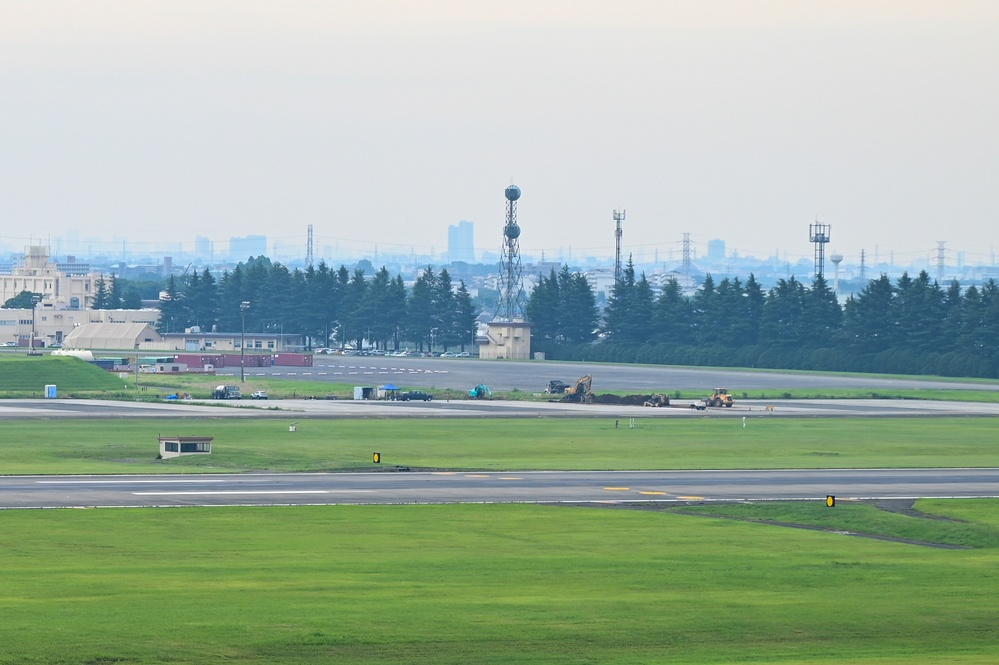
x,y
111,336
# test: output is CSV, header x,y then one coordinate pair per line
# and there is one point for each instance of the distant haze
x,y
381,123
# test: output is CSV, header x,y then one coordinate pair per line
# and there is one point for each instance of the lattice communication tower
x,y
819,235
511,295
308,248
618,218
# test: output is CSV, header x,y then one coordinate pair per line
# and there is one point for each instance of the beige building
x,y
510,340
118,336
52,326
59,288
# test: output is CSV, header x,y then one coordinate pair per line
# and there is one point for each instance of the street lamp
x,y
243,306
34,305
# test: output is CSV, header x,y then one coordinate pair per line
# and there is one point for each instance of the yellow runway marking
x,y
444,473
617,489
475,475
509,478
652,492
691,498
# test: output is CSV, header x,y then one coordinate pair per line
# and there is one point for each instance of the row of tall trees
x,y
910,326
563,309
324,305
115,293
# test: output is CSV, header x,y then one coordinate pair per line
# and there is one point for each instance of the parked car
x,y
258,394
416,394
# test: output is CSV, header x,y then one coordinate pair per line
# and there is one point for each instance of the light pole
x,y
34,305
243,306
433,338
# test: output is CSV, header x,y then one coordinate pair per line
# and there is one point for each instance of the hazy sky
x,y
384,122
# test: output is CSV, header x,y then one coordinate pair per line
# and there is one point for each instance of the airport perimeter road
x,y
460,408
493,487
461,374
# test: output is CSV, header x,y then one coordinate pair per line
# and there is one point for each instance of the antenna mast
x,y
618,218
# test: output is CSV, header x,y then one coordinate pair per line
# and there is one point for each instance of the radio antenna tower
x,y
511,295
940,259
308,248
686,254
819,234
863,263
618,218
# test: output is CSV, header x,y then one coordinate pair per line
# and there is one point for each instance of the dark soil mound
x,y
627,400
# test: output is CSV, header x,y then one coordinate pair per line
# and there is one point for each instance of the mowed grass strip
x,y
35,446
480,584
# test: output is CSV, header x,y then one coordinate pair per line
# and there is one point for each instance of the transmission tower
x,y
940,259
819,234
618,218
308,248
863,264
686,254
511,296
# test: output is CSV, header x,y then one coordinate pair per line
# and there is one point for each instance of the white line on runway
x,y
124,482
251,492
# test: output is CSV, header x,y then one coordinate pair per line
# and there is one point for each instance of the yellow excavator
x,y
580,393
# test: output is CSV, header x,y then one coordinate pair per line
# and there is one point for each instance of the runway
x,y
460,374
459,408
554,487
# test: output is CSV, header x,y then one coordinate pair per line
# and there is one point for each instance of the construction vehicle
x,y
556,387
480,391
657,401
581,393
719,397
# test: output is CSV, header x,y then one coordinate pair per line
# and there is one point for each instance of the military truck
x,y
226,392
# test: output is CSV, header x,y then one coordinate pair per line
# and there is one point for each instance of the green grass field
x,y
130,445
483,584
27,376
504,583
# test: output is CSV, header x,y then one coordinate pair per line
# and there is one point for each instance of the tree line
x,y
911,326
324,306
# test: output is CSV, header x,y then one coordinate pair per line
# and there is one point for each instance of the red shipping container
x,y
293,359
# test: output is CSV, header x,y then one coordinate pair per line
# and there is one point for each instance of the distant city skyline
x,y
382,123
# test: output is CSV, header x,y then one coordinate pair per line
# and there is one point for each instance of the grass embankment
x,y
481,584
32,446
27,376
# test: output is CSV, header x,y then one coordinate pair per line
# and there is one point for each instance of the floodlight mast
x,y
819,235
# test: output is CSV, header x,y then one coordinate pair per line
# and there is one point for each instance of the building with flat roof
x,y
60,288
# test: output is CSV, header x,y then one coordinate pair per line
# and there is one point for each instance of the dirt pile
x,y
627,400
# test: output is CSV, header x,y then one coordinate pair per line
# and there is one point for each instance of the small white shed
x,y
175,446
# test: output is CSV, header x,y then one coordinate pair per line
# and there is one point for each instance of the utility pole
x,y
243,306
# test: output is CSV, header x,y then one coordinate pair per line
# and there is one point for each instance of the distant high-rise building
x,y
460,243
203,247
716,250
241,249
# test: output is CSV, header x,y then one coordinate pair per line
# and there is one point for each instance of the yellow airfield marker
x,y
691,498
617,489
475,475
652,492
